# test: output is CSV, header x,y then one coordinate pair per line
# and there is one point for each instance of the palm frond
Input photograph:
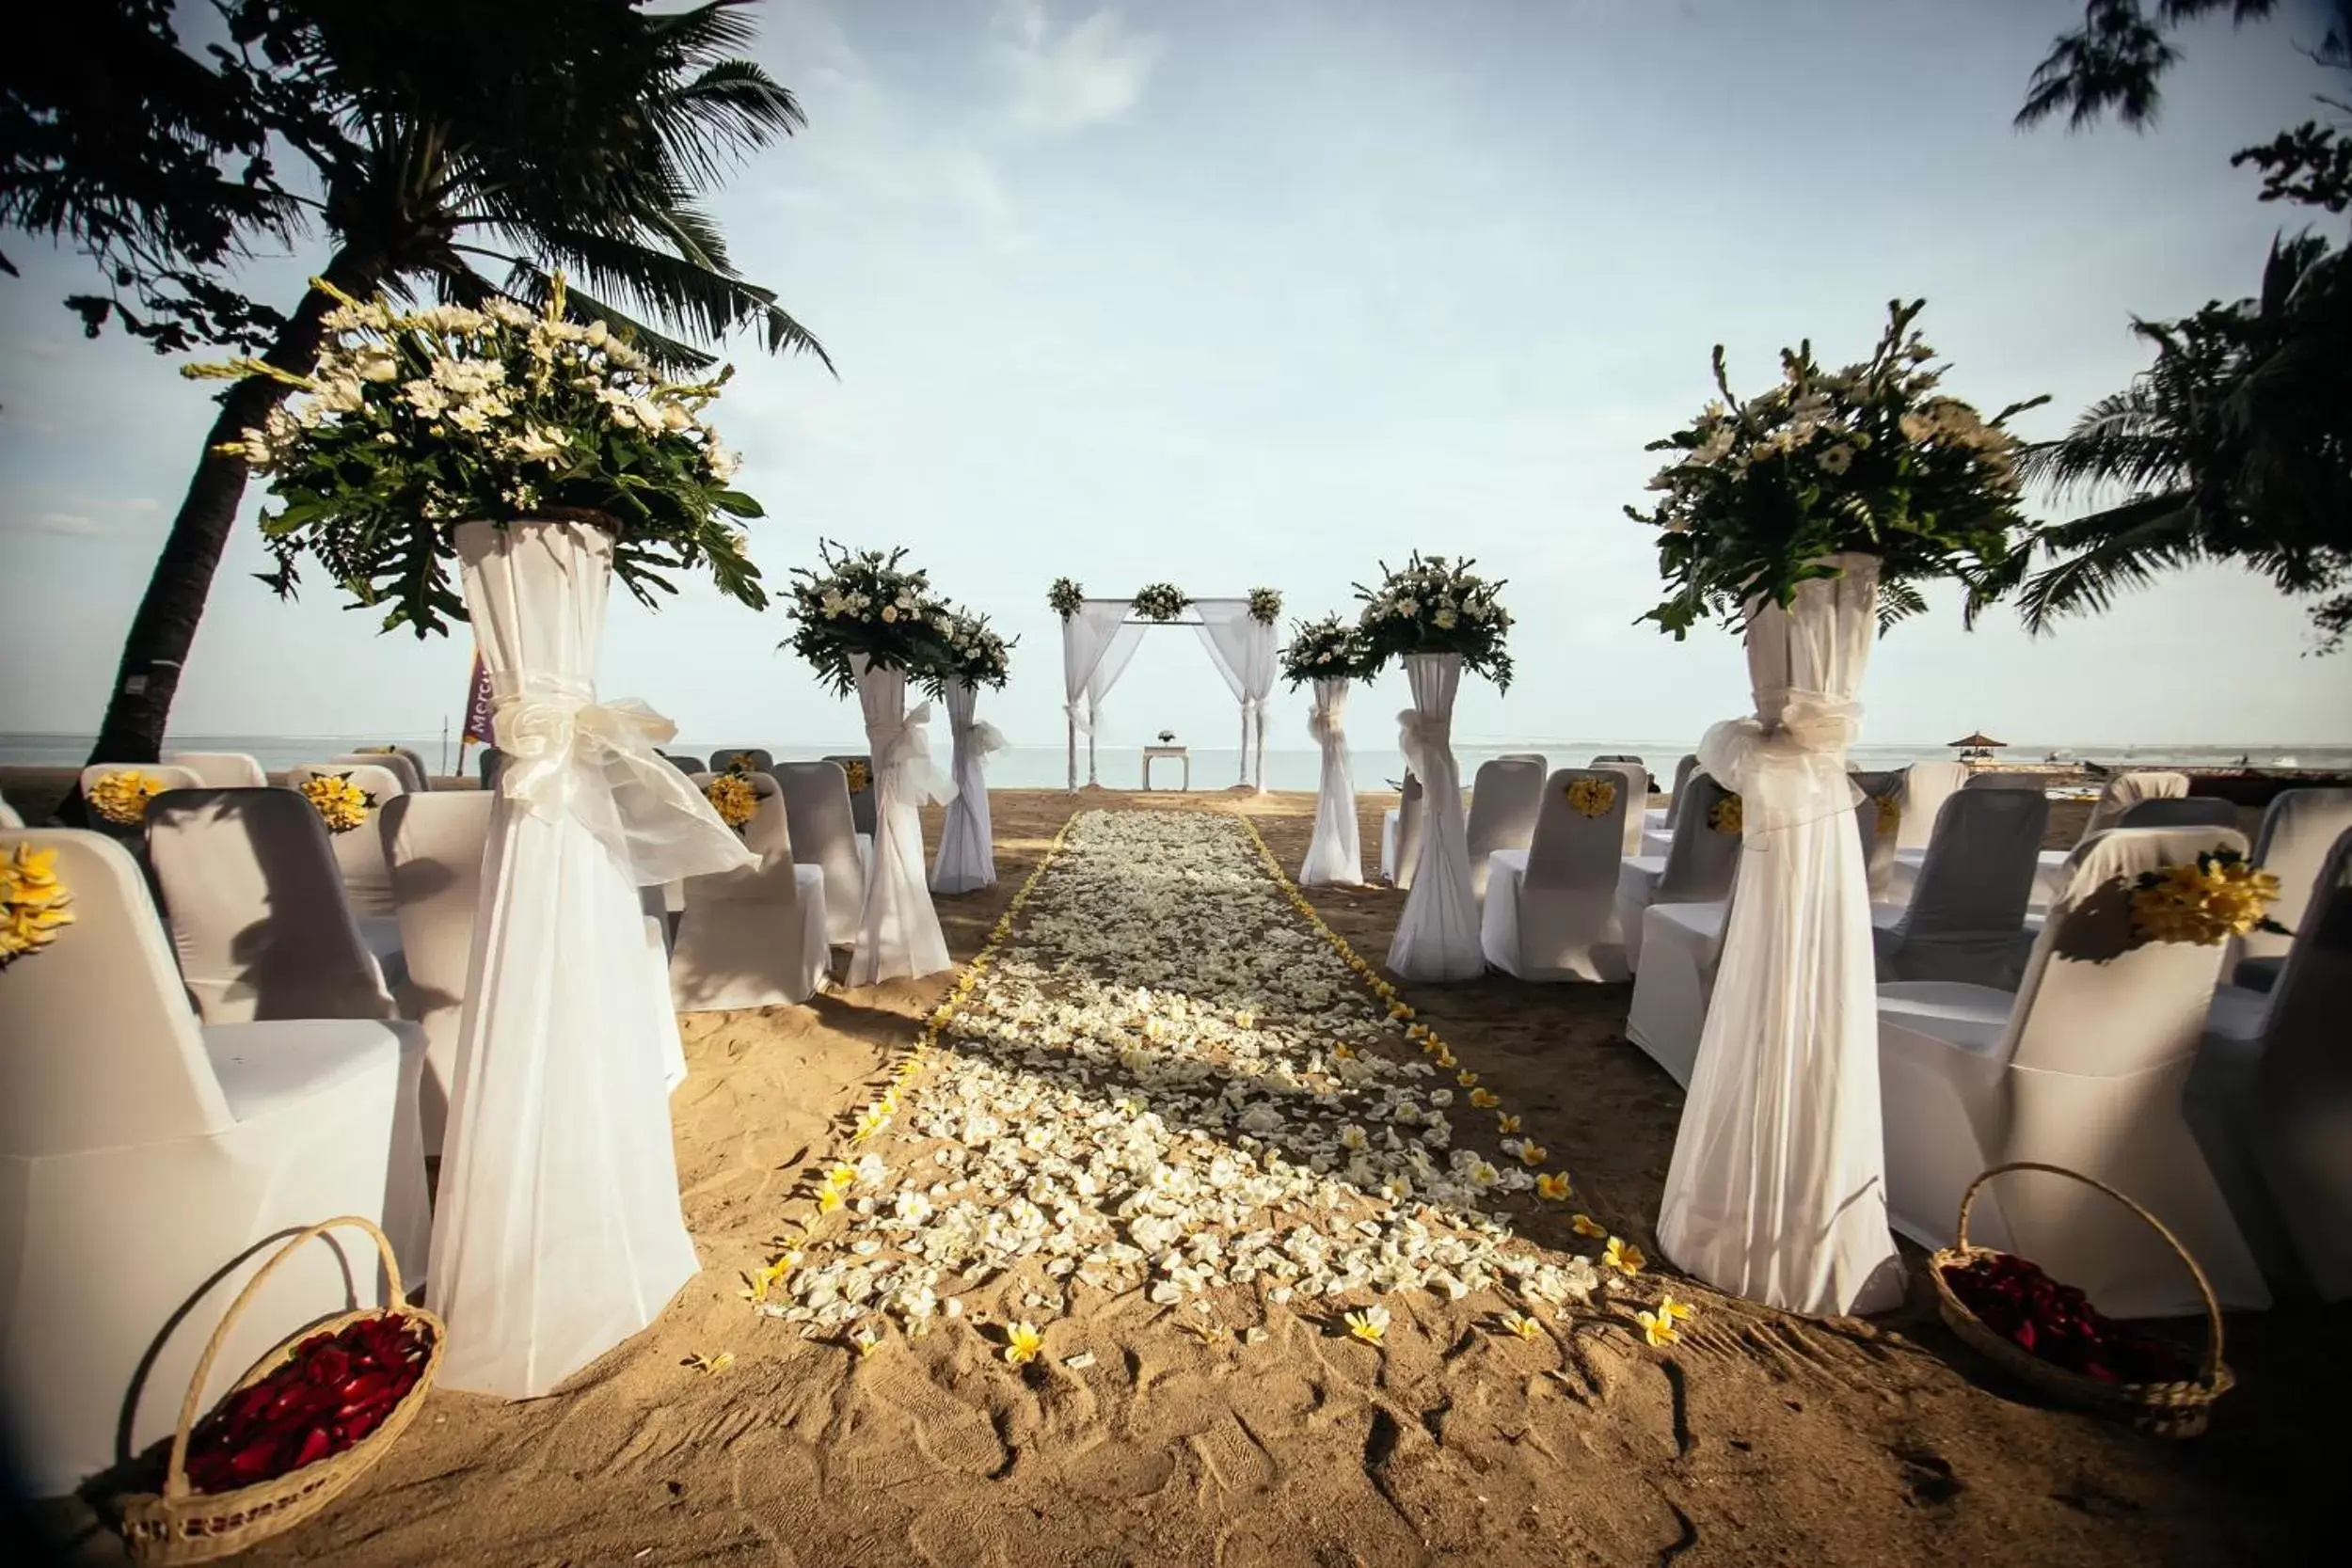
x,y
1898,602
533,285
2127,557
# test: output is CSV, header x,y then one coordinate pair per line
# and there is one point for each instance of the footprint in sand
x,y
1237,1461
954,1436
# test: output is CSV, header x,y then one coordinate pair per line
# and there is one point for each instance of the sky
x,y
1234,294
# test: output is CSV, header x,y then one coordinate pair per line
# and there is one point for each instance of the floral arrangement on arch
x,y
2218,895
341,804
122,797
34,902
1433,605
1065,597
416,421
1161,601
1327,649
1871,459
1266,605
864,602
980,656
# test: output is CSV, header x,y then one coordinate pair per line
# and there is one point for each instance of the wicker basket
x,y
186,1525
2159,1409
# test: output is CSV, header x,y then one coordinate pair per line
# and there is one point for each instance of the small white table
x,y
1153,754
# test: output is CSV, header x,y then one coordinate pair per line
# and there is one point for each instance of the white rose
x,y
720,463
890,613
1445,619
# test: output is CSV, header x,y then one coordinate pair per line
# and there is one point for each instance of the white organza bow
x,y
984,739
1078,720
570,756
903,752
1795,772
1419,736
1323,723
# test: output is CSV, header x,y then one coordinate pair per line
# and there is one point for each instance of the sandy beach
x,y
1760,1439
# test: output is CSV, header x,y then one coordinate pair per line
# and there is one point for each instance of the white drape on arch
x,y
1437,936
967,846
1107,670
1086,637
897,929
1242,648
1335,854
558,1232
1777,1190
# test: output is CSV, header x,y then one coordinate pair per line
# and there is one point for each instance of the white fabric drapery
x,y
1437,936
1242,648
1777,1189
897,930
1086,637
559,1233
1335,854
1107,670
967,846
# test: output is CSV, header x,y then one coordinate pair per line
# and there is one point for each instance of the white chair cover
x,y
1505,797
1243,651
1925,787
967,841
2299,829
756,759
1776,1190
359,851
1662,818
1335,853
2083,1068
1637,805
2126,791
1698,867
436,843
823,834
2305,1115
256,913
753,937
1550,909
1437,935
2184,811
861,799
897,929
220,769
149,1162
559,1233
1966,919
170,778
1400,835
399,765
9,818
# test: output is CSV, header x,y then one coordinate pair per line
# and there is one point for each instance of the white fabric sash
x,y
1418,737
904,750
1790,774
984,739
1320,723
568,755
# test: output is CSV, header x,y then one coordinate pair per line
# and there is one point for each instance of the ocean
x,y
1374,765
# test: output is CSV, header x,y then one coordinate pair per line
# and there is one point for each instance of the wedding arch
x,y
1099,636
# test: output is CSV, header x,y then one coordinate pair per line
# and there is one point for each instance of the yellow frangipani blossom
x,y
1521,1326
1552,1187
709,1364
1021,1344
1533,1154
841,1176
1584,1225
1445,1057
1467,1079
1622,1255
1506,1122
34,903
829,1199
1371,1325
1485,1100
1657,1327
122,797
865,1340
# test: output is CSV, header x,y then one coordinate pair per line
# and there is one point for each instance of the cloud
x,y
68,523
1088,74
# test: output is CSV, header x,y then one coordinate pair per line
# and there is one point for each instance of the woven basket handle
x,y
2211,1376
176,1472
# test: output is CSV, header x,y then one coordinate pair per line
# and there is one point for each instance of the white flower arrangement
x,y
977,654
415,421
1328,649
1065,599
863,602
1160,601
1432,605
1266,605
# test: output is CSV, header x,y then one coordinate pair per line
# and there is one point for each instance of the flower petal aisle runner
x,y
1166,1074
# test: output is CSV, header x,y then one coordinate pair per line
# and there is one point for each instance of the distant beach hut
x,y
1977,747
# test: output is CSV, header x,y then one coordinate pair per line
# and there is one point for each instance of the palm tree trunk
x,y
161,634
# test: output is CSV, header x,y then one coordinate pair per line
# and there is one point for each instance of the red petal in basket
x,y
334,1391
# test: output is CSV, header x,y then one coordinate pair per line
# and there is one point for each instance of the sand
x,y
1761,1439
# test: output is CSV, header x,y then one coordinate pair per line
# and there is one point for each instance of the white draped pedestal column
x,y
1335,854
1777,1190
1437,936
558,1233
967,848
897,930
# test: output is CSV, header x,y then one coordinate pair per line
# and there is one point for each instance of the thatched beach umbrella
x,y
1977,742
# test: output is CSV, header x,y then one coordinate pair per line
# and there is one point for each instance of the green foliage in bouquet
x,y
416,422
1435,606
1871,459
1065,597
1161,601
980,656
1328,649
863,602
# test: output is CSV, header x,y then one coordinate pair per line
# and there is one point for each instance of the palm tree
x,y
2234,446
529,136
